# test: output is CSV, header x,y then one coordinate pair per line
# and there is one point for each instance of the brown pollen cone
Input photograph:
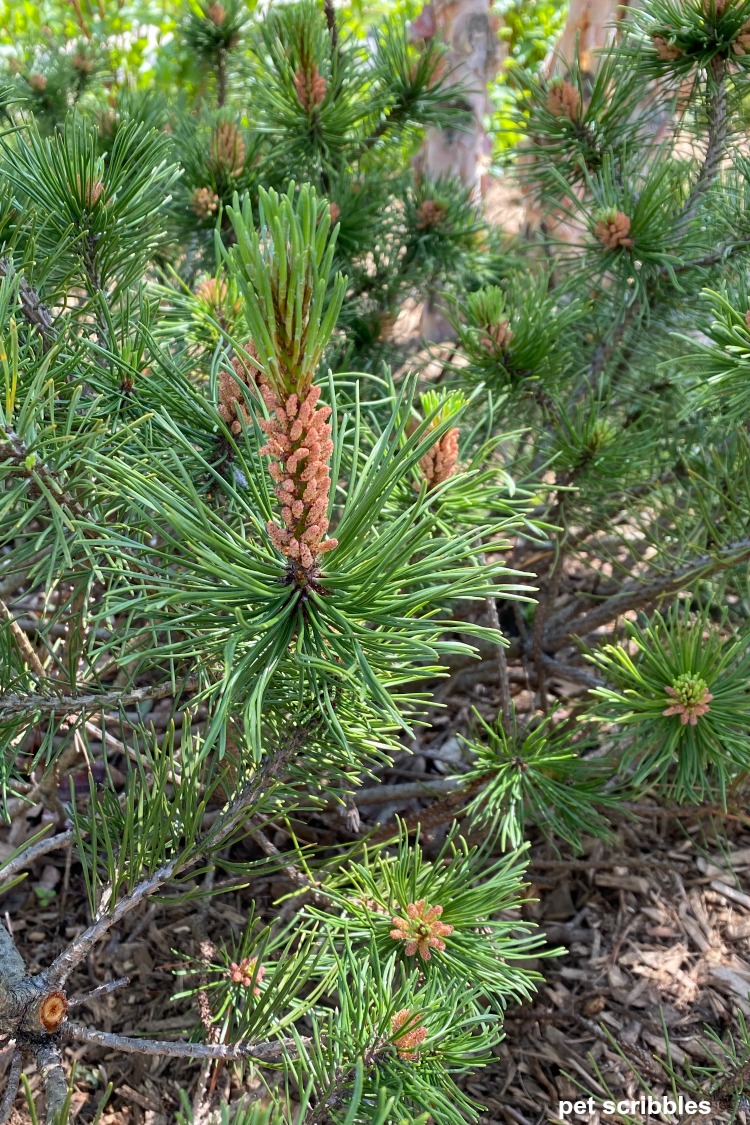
x,y
439,463
429,214
421,929
213,293
408,1040
242,973
91,192
741,45
204,202
216,14
299,441
666,51
613,231
82,64
227,149
499,336
563,100
231,402
311,87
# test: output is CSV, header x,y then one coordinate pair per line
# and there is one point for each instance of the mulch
x,y
657,939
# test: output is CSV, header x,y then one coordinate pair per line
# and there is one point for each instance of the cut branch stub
x,y
28,1005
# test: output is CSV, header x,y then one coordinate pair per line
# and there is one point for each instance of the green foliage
x,y
373,1059
121,837
100,217
469,886
284,274
538,775
530,28
721,363
575,139
515,336
693,34
680,705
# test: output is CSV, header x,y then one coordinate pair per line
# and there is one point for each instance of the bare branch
x,y
41,847
49,1061
132,1045
12,972
383,794
28,1004
637,595
63,965
570,672
102,990
14,1077
330,12
225,824
14,704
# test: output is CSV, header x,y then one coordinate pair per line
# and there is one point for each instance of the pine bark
x,y
589,28
469,30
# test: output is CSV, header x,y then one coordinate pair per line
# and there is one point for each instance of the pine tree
x,y
239,551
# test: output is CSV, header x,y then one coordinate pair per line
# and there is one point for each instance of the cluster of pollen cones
x,y
299,441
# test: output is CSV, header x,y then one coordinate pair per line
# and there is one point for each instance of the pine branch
x,y
14,991
638,595
25,647
718,131
232,1052
11,1089
318,1114
15,449
223,827
49,1063
333,31
102,990
605,351
502,661
549,590
34,311
715,258
14,704
435,815
34,851
292,872
570,672
29,1005
384,794
221,78
95,291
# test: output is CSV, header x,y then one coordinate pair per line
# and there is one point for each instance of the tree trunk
x,y
474,53
470,31
589,28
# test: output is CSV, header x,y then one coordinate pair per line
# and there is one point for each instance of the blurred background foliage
x,y
136,44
